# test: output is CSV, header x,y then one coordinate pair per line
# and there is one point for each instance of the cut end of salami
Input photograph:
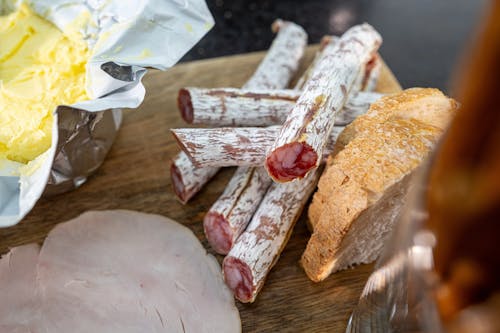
x,y
238,277
291,161
185,105
369,67
325,40
277,24
178,184
218,232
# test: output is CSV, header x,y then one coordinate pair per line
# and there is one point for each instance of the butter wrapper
x,y
126,37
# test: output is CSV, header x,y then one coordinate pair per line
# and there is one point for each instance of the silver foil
x,y
85,138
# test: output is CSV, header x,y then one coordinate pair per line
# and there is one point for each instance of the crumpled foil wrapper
x,y
85,138
126,37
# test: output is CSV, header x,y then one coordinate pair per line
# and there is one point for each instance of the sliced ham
x,y
123,271
115,271
18,304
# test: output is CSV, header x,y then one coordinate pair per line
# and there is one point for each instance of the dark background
x,y
423,39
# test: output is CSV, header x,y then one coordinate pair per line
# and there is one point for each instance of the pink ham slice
x,y
18,305
122,271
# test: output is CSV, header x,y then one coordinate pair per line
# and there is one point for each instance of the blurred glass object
x,y
440,272
395,299
396,296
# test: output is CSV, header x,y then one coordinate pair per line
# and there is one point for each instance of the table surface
x,y
135,176
423,39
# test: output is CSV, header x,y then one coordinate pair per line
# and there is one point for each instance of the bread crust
x,y
373,154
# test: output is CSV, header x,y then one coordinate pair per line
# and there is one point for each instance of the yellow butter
x,y
40,68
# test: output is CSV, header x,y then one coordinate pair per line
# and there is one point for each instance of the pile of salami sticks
x,y
286,135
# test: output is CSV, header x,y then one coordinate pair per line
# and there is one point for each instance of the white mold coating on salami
x,y
238,107
219,107
187,179
245,145
235,207
234,146
325,93
256,251
283,58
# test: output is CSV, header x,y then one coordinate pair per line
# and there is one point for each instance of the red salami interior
x,y
218,232
185,105
370,65
238,277
291,161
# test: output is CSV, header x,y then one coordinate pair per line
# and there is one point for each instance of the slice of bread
x,y
364,186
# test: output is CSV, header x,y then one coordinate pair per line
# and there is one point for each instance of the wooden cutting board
x,y
136,176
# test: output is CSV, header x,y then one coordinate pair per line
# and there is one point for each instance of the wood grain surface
x,y
136,176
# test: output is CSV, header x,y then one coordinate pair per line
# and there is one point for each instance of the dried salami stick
x,y
233,146
223,106
299,146
250,107
261,107
230,214
307,74
285,53
283,58
367,78
372,74
186,179
239,146
257,249
237,107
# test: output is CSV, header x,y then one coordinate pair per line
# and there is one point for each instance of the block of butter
x,y
40,68
61,59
